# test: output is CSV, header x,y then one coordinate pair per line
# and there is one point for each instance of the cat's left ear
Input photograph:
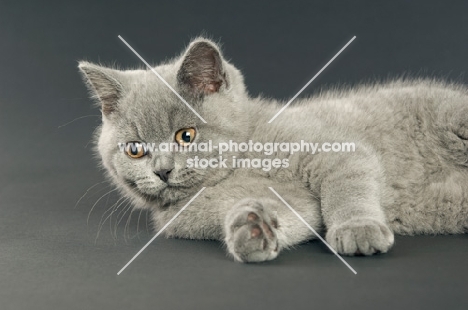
x,y
202,71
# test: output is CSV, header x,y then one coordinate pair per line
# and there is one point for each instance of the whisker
x,y
87,191
92,208
127,225
146,220
113,232
92,139
95,115
138,224
114,207
121,218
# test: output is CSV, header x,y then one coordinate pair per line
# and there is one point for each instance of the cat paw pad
x,y
251,232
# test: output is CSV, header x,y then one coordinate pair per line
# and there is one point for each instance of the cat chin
x,y
132,190
163,197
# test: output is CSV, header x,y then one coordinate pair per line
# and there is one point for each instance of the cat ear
x,y
202,71
103,84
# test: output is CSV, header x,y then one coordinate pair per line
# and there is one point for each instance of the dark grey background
x,y
49,258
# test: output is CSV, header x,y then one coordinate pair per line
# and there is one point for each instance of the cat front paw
x,y
250,230
360,237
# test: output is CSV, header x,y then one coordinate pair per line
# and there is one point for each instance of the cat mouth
x,y
134,188
170,190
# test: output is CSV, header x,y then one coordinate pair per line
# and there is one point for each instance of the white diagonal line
x,y
161,78
313,230
161,230
311,80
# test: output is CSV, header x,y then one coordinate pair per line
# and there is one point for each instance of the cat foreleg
x,y
351,208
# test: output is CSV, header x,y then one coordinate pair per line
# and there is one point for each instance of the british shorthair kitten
x,y
407,173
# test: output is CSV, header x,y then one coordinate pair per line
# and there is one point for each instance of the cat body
x,y
408,173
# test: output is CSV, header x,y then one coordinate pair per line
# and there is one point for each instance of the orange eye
x,y
135,150
185,136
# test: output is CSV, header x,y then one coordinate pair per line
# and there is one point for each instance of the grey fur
x,y
409,174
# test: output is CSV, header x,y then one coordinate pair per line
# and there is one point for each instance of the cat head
x,y
138,108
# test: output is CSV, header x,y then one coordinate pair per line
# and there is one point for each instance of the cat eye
x,y
135,149
185,136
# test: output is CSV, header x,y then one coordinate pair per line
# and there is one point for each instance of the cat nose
x,y
163,174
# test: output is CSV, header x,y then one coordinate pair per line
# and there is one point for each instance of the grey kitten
x,y
408,174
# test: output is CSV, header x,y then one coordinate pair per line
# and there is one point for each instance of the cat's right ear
x,y
103,84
